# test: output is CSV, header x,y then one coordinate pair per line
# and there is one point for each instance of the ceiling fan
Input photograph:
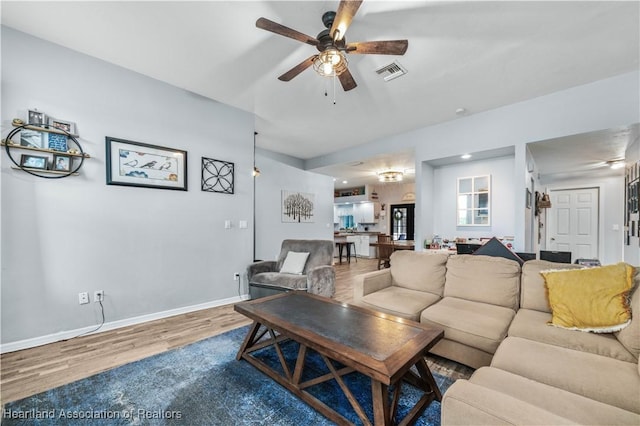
x,y
332,61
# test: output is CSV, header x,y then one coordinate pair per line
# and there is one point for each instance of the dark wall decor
x,y
217,176
632,197
150,166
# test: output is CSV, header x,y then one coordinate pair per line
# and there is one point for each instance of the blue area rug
x,y
199,384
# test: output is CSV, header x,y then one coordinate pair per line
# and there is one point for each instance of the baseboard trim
x,y
64,335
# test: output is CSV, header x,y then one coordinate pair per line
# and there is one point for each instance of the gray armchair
x,y
318,275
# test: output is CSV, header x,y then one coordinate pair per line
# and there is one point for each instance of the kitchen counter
x,y
346,234
361,239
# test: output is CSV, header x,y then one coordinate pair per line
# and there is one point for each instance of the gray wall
x,y
445,191
600,105
152,251
270,230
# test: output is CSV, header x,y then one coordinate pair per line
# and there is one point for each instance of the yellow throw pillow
x,y
590,299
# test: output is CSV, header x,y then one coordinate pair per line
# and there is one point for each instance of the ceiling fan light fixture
x,y
390,176
330,62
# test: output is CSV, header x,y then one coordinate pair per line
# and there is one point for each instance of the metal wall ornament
x,y
217,176
297,207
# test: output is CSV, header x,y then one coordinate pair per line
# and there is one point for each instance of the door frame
x,y
560,187
411,222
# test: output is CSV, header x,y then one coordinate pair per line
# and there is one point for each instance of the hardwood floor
x,y
30,371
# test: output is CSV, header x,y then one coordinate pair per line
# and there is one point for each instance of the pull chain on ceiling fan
x,y
333,48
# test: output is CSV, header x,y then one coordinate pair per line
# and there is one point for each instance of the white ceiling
x,y
475,55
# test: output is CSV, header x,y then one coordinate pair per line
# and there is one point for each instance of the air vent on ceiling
x,y
391,71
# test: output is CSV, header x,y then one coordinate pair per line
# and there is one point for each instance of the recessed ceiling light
x,y
616,164
465,156
344,181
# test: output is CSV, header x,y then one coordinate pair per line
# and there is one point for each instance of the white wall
x,y
152,251
502,203
270,230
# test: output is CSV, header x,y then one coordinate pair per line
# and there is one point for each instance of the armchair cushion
x,y
294,263
277,279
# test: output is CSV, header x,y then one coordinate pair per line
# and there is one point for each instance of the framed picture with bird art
x,y
144,165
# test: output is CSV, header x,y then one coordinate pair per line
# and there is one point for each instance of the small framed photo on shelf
x,y
61,163
33,162
36,117
67,126
57,142
31,138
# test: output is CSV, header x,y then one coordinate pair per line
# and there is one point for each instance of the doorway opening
x,y
573,221
402,221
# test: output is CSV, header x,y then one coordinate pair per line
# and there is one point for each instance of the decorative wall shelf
x,y
51,172
68,161
44,128
48,151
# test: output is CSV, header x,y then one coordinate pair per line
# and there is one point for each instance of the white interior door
x,y
573,222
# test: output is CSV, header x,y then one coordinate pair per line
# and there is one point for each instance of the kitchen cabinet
x,y
365,213
362,244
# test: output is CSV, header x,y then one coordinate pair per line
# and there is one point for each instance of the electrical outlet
x,y
98,296
83,298
236,276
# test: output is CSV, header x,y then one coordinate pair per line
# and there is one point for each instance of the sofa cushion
x,y
466,403
575,407
485,279
630,335
399,301
419,271
590,299
479,325
276,279
533,293
532,325
604,379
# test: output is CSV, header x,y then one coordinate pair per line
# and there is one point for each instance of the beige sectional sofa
x,y
495,316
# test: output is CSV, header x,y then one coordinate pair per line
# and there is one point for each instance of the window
x,y
474,202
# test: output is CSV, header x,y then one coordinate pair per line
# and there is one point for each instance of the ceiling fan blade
x,y
388,47
347,81
274,27
346,10
287,76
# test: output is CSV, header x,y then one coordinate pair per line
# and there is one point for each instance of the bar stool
x,y
348,244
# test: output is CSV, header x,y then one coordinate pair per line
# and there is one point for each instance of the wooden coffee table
x,y
377,345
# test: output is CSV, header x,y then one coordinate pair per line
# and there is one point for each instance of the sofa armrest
x,y
259,267
467,403
321,280
370,283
